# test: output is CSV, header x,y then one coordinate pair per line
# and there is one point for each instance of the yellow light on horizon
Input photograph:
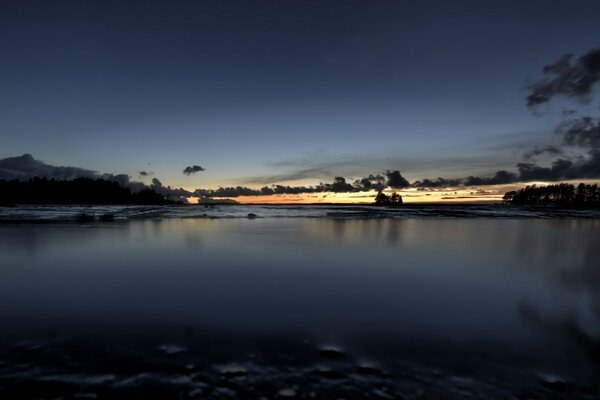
x,y
192,200
452,195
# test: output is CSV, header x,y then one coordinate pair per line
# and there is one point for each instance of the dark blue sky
x,y
295,92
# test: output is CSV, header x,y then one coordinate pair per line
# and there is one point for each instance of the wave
x,y
52,213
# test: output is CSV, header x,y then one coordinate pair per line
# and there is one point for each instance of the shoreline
x,y
87,214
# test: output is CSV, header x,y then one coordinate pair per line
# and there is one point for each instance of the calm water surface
x,y
472,305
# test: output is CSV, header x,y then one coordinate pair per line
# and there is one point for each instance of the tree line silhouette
x,y
76,191
565,194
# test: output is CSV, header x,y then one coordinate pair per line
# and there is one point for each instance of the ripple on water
x,y
171,349
332,352
289,392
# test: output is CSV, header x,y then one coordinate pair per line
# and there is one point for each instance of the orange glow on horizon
x,y
462,195
192,200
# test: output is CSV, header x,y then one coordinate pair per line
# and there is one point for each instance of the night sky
x,y
289,92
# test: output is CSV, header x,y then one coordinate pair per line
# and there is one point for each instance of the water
x,y
300,307
58,213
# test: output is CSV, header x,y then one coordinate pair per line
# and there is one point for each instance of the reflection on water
x,y
468,293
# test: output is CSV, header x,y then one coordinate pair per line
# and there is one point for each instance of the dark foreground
x,y
144,369
300,308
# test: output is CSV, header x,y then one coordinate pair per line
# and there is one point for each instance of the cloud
x,y
532,172
339,185
313,172
566,78
562,169
281,189
227,192
538,151
584,167
395,180
25,167
371,182
168,191
320,166
156,183
582,132
437,183
192,169
499,178
581,135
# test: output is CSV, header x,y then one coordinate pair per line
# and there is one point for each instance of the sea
x,y
301,302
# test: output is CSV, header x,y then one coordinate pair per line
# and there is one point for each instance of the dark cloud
x,y
532,172
156,183
437,183
121,179
168,191
581,135
587,167
280,189
568,112
395,180
192,169
339,185
371,182
227,192
538,151
305,173
25,167
566,78
582,132
499,178
562,169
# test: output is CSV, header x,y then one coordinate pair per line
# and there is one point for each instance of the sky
x,y
294,93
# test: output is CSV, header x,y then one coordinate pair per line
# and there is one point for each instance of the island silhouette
x,y
76,191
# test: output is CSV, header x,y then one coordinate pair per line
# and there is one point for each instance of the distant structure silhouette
x,y
383,199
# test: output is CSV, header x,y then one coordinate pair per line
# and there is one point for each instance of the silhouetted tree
x,y
383,199
396,199
563,193
76,191
508,196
